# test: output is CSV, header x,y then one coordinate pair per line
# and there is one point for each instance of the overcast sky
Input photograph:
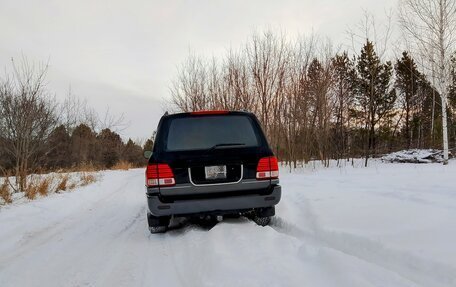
x,y
124,54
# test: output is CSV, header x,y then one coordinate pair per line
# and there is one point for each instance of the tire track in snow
x,y
111,243
35,239
92,252
118,270
408,266
179,232
139,215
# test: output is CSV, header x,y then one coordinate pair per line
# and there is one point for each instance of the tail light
x,y
268,168
159,175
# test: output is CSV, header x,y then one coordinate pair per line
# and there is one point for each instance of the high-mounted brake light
x,y
268,168
209,112
159,175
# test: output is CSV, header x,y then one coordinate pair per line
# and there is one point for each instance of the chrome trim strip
x,y
253,181
176,187
213,184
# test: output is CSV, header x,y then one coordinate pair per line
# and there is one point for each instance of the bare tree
x,y
343,87
368,28
431,25
239,82
295,109
267,57
109,120
76,111
27,117
189,90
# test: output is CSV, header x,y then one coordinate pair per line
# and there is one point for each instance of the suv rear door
x,y
192,143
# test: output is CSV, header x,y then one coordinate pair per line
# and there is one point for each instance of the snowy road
x,y
387,225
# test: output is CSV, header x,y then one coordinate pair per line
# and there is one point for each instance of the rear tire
x,y
262,221
262,216
157,224
158,229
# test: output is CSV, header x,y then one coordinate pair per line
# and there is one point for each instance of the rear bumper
x,y
242,202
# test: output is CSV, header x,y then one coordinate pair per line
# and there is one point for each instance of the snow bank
x,y
73,180
414,156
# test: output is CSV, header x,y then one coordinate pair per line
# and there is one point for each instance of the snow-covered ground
x,y
385,225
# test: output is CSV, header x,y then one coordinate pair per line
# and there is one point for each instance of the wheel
x,y
158,229
262,216
157,224
262,221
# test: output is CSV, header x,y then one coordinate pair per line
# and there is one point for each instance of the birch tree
x,y
430,26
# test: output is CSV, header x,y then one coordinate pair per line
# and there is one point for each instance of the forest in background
x,y
39,134
316,102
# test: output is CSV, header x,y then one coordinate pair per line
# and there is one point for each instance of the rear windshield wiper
x,y
226,144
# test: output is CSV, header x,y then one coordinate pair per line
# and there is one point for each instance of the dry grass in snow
x,y
41,185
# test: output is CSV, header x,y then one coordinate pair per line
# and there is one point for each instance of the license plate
x,y
215,172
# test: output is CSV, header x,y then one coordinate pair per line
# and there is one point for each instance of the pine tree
x,y
60,148
374,99
149,144
83,145
133,153
407,84
110,145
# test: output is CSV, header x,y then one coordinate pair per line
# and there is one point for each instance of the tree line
x,y
315,103
38,134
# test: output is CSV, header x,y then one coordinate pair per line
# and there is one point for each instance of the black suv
x,y
210,163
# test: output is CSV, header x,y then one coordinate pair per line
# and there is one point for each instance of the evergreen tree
x,y
110,145
60,148
149,144
407,84
133,153
374,99
83,145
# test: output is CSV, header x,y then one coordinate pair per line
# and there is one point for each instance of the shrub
x,y
122,165
5,192
62,183
42,187
72,186
38,185
82,167
87,167
31,190
87,178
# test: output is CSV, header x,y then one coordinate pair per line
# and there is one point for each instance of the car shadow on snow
x,y
183,225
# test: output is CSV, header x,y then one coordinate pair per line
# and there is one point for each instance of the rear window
x,y
196,133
